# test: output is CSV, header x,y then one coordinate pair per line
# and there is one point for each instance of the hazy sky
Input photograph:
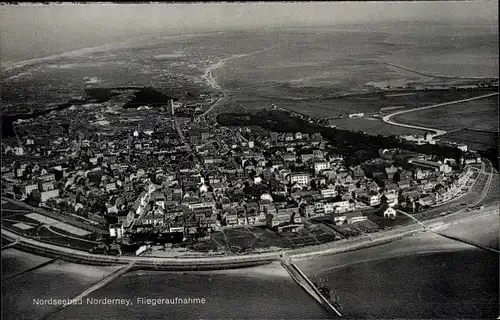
x,y
28,31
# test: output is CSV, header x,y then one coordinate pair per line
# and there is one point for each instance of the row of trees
x,y
358,147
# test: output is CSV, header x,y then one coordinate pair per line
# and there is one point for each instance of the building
x,y
116,230
28,189
328,193
171,107
387,211
45,195
110,186
353,217
45,186
436,166
321,165
302,179
356,115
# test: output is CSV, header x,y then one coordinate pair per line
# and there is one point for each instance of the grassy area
x,y
386,223
373,102
479,114
476,140
316,231
373,126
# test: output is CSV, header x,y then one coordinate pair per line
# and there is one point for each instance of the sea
x,y
421,277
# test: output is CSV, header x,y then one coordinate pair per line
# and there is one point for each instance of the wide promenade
x,y
236,261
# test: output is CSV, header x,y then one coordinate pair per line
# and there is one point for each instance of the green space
x,y
372,102
481,114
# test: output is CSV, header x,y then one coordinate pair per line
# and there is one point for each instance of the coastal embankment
x,y
224,262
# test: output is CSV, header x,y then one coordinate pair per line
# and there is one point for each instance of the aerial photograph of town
x,y
250,160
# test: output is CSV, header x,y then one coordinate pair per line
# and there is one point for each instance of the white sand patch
x,y
83,272
19,75
22,226
400,94
422,243
91,80
169,55
102,122
273,269
43,219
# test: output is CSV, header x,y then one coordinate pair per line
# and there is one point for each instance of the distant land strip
x,y
432,75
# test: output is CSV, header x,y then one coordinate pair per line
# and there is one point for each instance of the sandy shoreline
x,y
208,75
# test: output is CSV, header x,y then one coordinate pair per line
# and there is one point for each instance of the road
x,y
217,103
485,164
181,135
437,132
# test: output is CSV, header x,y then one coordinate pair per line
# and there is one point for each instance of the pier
x,y
303,281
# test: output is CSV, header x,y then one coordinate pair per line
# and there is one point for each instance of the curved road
x,y
437,132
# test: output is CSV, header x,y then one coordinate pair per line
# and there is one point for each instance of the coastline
x,y
10,66
208,75
227,262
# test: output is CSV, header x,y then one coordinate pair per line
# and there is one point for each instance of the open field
x,y
373,126
475,140
479,114
260,238
57,233
57,224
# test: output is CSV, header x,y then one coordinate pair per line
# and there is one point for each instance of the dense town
x,y
148,174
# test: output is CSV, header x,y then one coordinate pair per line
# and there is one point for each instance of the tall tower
x,y
171,107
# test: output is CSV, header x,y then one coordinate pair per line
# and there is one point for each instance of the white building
x,y
116,231
321,165
46,195
302,179
110,187
437,166
389,213
328,193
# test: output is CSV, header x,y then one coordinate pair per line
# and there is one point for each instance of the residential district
x,y
144,176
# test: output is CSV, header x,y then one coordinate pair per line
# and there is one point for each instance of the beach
x,y
384,282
